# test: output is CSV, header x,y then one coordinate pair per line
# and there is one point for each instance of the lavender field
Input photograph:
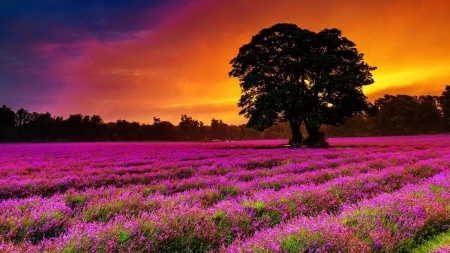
x,y
378,194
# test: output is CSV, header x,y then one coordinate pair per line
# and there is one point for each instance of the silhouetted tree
x,y
123,130
7,123
219,130
235,132
7,117
163,130
428,116
444,103
354,127
189,128
74,127
96,128
158,131
280,130
22,117
43,127
406,115
295,75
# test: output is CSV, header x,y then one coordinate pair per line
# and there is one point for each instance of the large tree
x,y
291,74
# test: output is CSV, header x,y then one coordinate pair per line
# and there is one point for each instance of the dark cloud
x,y
69,21
35,35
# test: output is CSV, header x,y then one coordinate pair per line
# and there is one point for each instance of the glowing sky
x,y
136,59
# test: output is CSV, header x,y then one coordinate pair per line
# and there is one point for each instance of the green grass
x,y
435,242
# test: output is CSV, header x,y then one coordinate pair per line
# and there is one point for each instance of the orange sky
x,y
181,65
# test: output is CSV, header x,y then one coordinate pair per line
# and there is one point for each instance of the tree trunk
x,y
296,134
313,133
316,138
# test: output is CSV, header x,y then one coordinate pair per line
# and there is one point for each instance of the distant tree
x,y
250,133
7,117
163,130
7,123
406,115
189,128
156,120
280,130
22,117
126,131
444,103
96,120
96,129
290,74
43,127
428,116
354,127
219,130
74,127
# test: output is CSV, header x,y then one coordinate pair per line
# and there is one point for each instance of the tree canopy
x,y
403,114
291,74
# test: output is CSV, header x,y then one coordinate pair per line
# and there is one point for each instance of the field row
x,y
268,168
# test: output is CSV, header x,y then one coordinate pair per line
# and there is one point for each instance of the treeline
x,y
23,126
398,115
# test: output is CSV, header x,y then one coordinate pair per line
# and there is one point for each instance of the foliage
x,y
190,129
403,114
444,103
291,74
436,242
7,121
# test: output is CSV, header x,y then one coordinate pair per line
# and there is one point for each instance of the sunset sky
x,y
136,59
